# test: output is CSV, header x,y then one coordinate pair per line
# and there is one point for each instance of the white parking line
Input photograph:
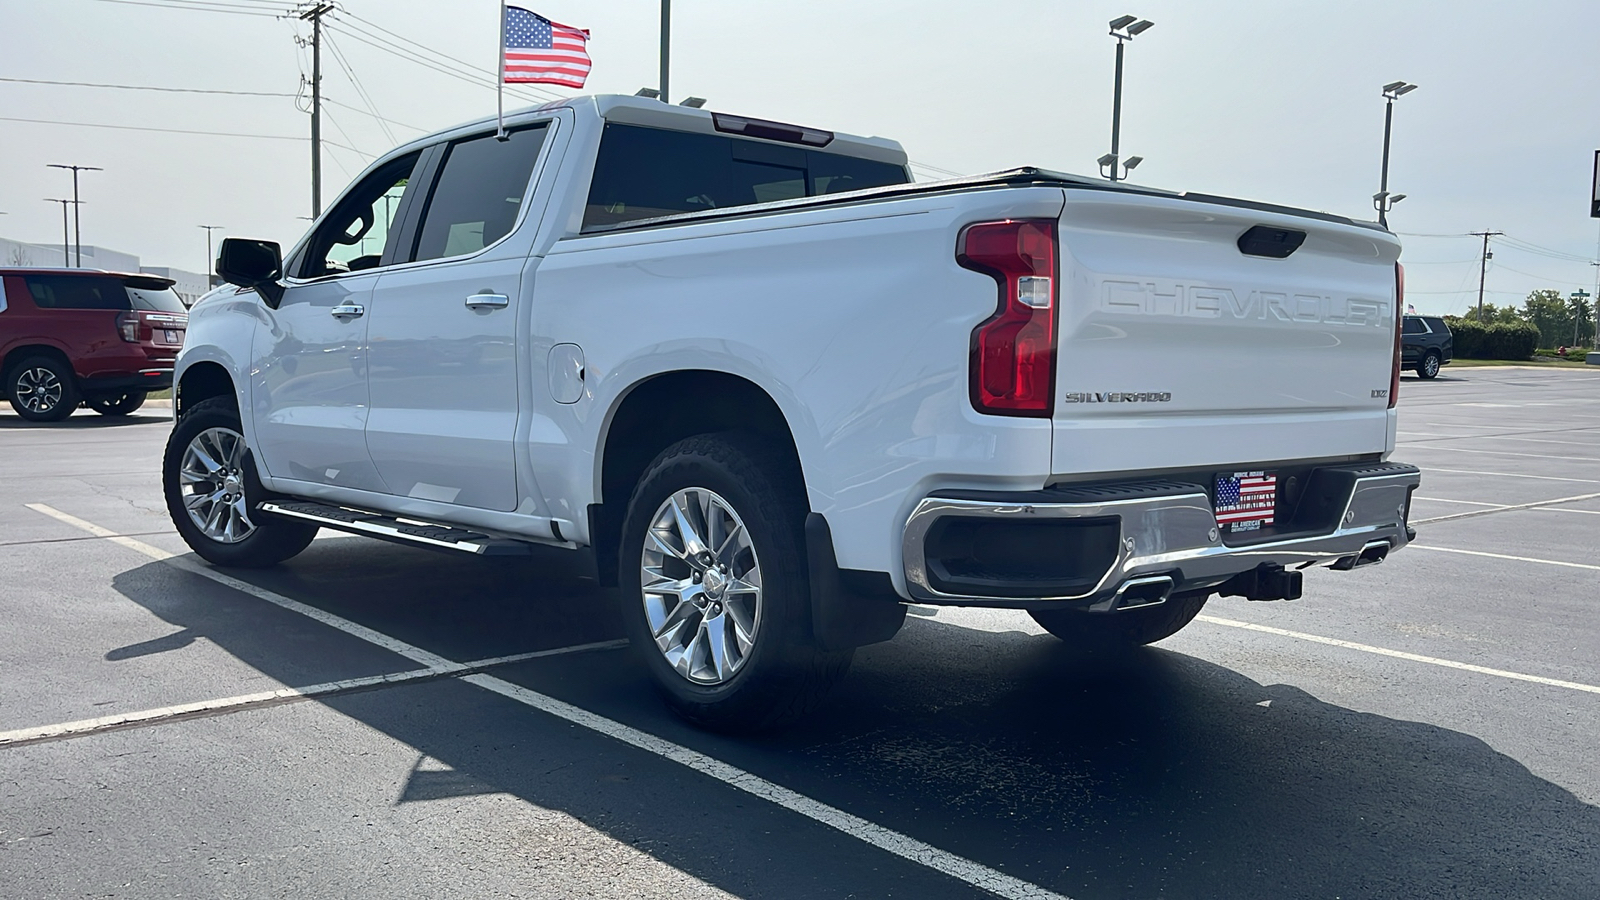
x,y
1509,475
973,873
1468,502
243,702
1401,654
1487,512
1587,459
1531,559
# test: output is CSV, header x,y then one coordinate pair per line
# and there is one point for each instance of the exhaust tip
x,y
1139,592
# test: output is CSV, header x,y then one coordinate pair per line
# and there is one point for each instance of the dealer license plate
x,y
173,337
1246,501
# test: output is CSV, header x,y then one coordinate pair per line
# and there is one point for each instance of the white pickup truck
x,y
776,391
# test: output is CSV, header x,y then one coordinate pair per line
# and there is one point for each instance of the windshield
x,y
164,300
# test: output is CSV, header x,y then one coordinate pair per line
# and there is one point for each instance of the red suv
x,y
74,336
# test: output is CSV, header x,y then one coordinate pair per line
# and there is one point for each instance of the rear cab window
x,y
643,173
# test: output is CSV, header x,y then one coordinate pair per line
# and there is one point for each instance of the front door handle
x,y
346,311
488,301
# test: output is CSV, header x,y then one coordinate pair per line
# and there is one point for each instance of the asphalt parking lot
x,y
349,724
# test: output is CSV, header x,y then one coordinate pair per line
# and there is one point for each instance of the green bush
x,y
1498,341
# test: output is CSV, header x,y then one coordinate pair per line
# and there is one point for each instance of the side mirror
x,y
252,264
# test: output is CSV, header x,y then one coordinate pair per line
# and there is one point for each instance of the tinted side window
x,y
358,231
77,292
1438,325
1414,326
642,173
478,193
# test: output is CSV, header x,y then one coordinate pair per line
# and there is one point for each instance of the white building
x,y
189,285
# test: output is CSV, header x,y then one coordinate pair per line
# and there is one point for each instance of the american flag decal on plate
x,y
1246,500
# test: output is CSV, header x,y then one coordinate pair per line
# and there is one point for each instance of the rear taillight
x,y
128,326
1013,363
1399,320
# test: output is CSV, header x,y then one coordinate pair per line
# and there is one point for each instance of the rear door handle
x,y
488,301
348,311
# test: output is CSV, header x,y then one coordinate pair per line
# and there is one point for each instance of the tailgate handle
x,y
1271,242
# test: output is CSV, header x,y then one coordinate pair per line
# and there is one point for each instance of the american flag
x,y
1246,500
539,50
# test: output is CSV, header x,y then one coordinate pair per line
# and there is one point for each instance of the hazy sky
x,y
1276,101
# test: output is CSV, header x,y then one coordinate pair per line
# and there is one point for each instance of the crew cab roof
x,y
645,111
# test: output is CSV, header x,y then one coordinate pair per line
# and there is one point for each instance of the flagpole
x,y
666,45
500,85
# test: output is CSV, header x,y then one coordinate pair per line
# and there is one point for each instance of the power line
x,y
234,9
264,137
361,91
493,75
147,87
454,68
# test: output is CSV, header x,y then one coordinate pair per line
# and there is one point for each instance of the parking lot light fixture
x,y
1391,91
1123,28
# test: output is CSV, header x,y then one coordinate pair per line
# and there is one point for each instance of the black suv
x,y
1425,345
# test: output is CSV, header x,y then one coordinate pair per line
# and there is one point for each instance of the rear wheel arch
x,y
660,411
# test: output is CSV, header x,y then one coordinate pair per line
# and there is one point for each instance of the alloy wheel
x,y
212,483
701,582
39,390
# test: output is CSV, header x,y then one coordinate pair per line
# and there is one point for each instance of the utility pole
x,y
1483,265
1595,309
314,16
211,261
666,46
77,225
66,236
1578,308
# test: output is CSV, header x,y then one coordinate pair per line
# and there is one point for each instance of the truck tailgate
x,y
1177,348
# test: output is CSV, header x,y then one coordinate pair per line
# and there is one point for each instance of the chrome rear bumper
x,y
1169,528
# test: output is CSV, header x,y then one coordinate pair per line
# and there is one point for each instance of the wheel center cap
x,y
231,484
714,582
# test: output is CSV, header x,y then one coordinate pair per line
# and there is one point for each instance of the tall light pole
x,y
66,236
77,225
666,46
1392,91
1123,28
211,261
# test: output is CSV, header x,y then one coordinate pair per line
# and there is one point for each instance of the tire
x,y
1112,632
220,529
737,491
1429,366
42,389
117,404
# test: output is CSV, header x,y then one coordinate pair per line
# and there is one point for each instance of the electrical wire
x,y
266,137
234,9
422,48
361,91
450,66
147,87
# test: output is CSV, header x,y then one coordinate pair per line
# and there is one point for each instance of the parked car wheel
x,y
1123,629
117,404
715,595
42,389
1429,366
210,483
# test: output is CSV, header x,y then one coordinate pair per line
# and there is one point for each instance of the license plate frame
x,y
1245,501
172,335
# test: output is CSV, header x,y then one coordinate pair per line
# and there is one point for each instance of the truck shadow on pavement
x,y
1158,774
